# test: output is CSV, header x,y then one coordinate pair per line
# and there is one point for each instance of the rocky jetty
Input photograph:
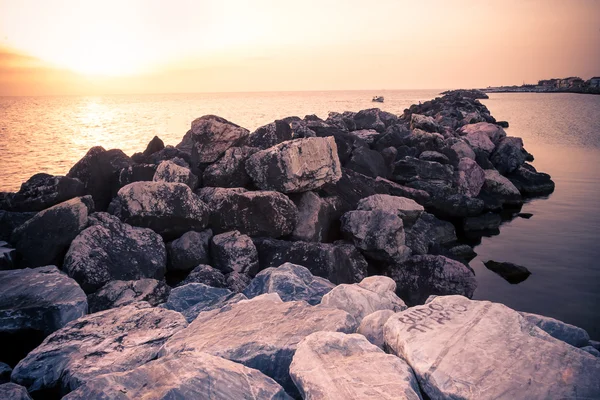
x,y
313,258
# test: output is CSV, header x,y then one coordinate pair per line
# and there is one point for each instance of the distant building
x,y
595,82
571,82
548,83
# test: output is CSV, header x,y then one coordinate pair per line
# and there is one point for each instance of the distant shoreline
x,y
521,89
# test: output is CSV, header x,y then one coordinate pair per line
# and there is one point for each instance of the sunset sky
x,y
176,46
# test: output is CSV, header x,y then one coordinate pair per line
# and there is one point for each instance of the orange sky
x,y
175,46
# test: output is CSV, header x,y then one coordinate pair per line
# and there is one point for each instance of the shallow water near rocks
x,y
558,244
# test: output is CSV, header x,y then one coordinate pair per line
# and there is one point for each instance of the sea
x,y
559,244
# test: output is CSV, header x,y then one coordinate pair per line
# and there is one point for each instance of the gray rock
x,y
169,209
361,299
168,171
411,169
315,217
295,166
338,263
336,366
485,222
371,326
270,135
121,293
421,276
479,141
530,182
567,333
45,238
292,282
379,234
206,274
513,273
237,282
466,349
194,298
369,136
407,209
99,172
42,191
509,155
260,213
233,251
114,340
425,123
493,131
190,250
191,375
469,177
111,250
592,350
499,187
5,371
434,156
230,170
260,333
12,391
429,233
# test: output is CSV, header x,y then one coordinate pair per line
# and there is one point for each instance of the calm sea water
x,y
559,244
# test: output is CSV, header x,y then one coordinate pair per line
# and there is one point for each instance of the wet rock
x,y
509,155
5,371
292,282
33,304
470,177
99,172
499,187
562,331
361,299
209,137
12,391
485,222
530,182
42,191
271,331
190,375
333,365
512,273
270,135
295,166
190,250
194,298
168,171
169,209
260,213
408,210
9,221
316,217
45,238
121,293
493,131
460,348
379,234
371,326
338,263
230,170
367,162
479,141
233,251
111,250
236,282
205,274
136,173
429,233
421,276
425,123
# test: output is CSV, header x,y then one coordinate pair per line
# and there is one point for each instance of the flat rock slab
x,y
115,340
260,333
189,375
460,348
336,366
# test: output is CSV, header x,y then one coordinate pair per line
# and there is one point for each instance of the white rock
x,y
372,325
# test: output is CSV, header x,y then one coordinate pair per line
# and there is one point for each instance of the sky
x,y
56,47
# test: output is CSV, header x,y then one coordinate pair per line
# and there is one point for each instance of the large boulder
x,y
9,221
12,391
466,349
429,233
136,173
573,335
99,172
42,191
210,137
374,118
469,177
169,209
121,293
421,276
509,155
336,366
407,209
111,250
205,274
361,299
316,217
190,375
194,298
395,189
232,251
295,166
493,131
479,141
169,171
260,213
410,169
45,238
115,340
367,162
230,170
379,234
261,333
530,182
291,282
372,325
498,187
270,135
424,122
33,304
189,251
338,263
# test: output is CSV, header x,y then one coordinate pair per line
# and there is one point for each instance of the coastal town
x,y
572,84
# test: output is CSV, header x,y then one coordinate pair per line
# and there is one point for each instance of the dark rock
x,y
5,371
503,124
207,275
232,251
429,232
168,153
122,293
99,171
190,250
316,217
434,156
500,188
512,273
33,304
136,173
45,238
291,282
525,215
352,187
9,221
230,170
487,221
115,340
509,155
394,136
339,263
457,205
236,282
367,162
169,171
411,169
374,118
425,123
369,136
530,182
42,191
344,121
155,145
270,135
111,250
8,257
389,155
395,189
194,298
170,209
462,252
12,391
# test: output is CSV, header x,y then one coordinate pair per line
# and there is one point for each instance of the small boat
x,y
378,99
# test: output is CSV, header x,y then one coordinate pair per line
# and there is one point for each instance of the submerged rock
x,y
189,251
42,191
233,251
513,273
194,298
121,293
336,366
485,222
